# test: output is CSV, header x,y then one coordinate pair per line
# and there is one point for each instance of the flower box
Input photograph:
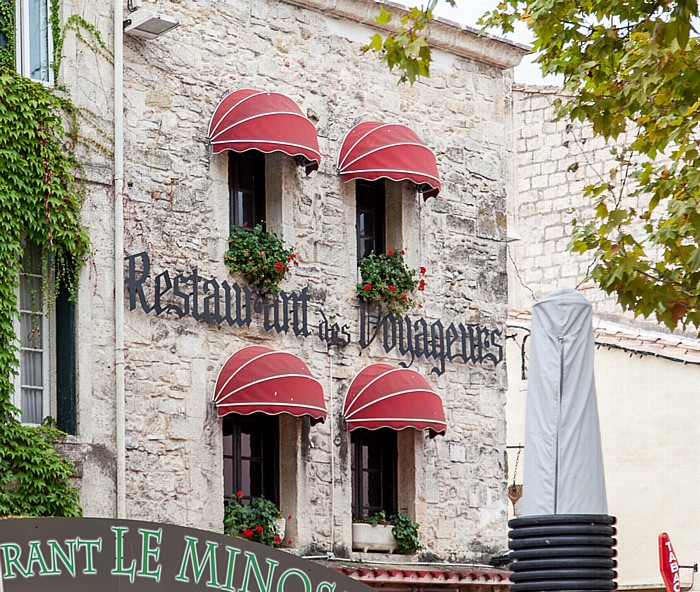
x,y
371,537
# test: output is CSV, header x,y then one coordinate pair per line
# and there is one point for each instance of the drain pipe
x,y
120,423
331,355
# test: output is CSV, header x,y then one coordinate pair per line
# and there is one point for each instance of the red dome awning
x,y
259,379
382,396
267,121
374,150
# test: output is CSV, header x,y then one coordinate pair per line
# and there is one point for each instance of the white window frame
x,y
45,349
23,41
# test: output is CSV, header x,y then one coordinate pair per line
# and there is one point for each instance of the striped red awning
x,y
374,150
382,396
259,379
267,121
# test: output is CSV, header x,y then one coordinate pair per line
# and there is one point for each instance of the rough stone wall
x,y
176,209
88,76
552,162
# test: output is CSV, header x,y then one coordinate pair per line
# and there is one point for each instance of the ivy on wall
x,y
40,202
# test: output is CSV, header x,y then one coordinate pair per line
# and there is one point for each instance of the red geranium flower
x,y
403,252
289,517
392,288
239,494
390,252
259,528
277,539
423,270
404,298
296,263
245,224
247,533
261,254
368,287
279,266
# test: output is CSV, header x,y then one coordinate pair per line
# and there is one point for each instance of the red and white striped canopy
x,y
267,121
259,379
374,150
382,396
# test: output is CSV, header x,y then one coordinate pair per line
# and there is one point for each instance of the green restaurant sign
x,y
103,555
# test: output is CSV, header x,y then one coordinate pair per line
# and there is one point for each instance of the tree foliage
x,y
40,203
632,68
406,49
631,71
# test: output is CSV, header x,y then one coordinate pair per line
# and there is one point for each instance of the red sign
x,y
668,564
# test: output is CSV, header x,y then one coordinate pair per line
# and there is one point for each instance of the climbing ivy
x,y
7,34
40,203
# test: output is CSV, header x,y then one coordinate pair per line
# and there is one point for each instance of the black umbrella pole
x,y
563,553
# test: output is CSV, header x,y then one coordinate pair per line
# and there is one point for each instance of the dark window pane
x,y
370,203
250,456
246,178
374,477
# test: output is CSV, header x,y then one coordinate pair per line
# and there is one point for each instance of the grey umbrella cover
x,y
563,466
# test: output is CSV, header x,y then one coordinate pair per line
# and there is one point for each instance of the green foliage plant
x,y
40,203
631,68
404,529
405,533
256,521
260,256
406,49
388,280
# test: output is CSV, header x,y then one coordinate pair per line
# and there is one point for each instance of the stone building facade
x,y
149,442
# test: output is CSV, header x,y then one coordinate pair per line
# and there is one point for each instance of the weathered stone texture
x,y
552,163
176,209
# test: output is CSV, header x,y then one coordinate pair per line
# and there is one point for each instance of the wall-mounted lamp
x,y
148,25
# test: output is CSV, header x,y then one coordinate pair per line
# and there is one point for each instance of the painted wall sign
x,y
224,302
103,555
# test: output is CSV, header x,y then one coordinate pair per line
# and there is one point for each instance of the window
x,y
45,384
33,39
374,471
32,392
246,174
370,200
251,461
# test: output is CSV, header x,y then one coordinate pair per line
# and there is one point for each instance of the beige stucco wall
x,y
649,411
176,210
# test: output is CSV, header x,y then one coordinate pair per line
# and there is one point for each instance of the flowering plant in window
x,y
261,257
387,279
256,521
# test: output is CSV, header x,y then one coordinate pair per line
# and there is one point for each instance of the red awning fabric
x,y
374,150
267,121
382,396
259,379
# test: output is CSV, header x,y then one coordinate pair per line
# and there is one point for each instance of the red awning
x,y
267,121
259,379
382,396
374,150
